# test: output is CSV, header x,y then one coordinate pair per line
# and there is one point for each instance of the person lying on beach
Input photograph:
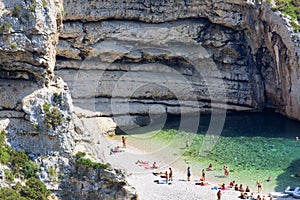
x,y
116,149
154,166
202,183
161,182
157,173
141,162
162,175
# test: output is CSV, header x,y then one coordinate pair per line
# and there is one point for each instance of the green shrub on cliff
x,y
18,161
80,154
35,190
87,162
16,11
288,7
10,194
53,116
30,169
19,164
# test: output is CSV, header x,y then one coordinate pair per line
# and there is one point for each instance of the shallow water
x,y
255,146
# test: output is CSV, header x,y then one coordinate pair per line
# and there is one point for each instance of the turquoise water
x,y
254,145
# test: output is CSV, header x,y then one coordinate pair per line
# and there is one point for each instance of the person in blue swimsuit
x,y
188,173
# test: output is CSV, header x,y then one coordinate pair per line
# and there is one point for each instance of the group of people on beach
x,y
245,192
118,148
166,177
203,173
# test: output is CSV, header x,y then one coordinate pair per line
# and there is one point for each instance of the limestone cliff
x,y
36,109
127,59
150,57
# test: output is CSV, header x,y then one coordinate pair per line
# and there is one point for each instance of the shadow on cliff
x,y
267,124
288,178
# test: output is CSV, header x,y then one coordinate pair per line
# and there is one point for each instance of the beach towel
x,y
161,181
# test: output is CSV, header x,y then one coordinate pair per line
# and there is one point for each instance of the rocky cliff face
x,y
28,36
36,110
128,59
150,57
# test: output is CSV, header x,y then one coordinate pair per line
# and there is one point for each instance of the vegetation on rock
x,y
33,190
88,162
19,165
53,117
290,8
17,160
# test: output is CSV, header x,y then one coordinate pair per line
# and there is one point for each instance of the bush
x,y
30,169
44,3
16,11
53,117
52,172
80,154
7,26
4,156
18,159
10,194
35,190
89,163
2,138
288,7
295,26
9,175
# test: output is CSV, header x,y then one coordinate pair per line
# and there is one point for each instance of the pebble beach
x,y
141,176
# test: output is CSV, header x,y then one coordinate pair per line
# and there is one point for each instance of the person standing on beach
x,y
219,194
170,174
203,175
258,186
188,173
187,143
226,171
124,141
167,177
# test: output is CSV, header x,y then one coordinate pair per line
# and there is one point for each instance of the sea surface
x,y
254,145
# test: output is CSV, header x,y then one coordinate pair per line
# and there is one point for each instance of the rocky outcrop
x,y
88,183
29,33
132,58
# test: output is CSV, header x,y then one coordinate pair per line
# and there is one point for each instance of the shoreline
x,y
143,180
